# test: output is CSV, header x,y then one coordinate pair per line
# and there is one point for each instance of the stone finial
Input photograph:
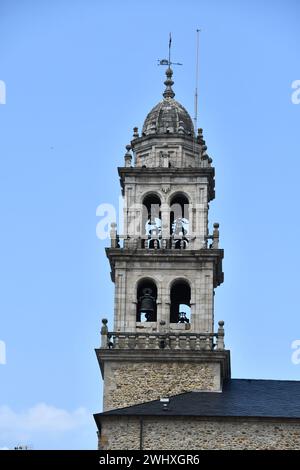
x,y
135,132
128,156
104,328
215,236
169,93
104,333
221,334
200,137
114,239
201,142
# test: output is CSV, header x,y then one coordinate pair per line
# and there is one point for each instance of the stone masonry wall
x,y
184,433
127,383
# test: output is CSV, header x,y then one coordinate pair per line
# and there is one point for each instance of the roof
x,y
168,116
239,398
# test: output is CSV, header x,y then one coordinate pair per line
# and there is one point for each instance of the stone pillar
x,y
206,302
165,307
159,304
165,221
195,313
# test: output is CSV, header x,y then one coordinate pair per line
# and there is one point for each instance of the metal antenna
x,y
197,77
168,61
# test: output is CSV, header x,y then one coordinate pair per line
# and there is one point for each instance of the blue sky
x,y
79,76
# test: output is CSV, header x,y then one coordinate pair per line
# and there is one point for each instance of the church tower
x,y
165,266
166,371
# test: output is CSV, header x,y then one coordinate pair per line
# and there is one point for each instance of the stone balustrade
x,y
154,242
170,340
157,242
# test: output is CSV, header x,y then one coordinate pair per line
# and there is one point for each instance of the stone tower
x,y
165,267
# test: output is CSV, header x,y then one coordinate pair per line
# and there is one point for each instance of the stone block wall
x,y
130,383
187,433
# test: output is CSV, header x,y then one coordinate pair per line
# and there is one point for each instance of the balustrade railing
x,y
170,340
152,242
156,241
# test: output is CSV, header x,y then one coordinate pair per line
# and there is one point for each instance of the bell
x,y
147,303
182,318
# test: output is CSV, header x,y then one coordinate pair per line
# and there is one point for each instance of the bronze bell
x,y
182,318
147,303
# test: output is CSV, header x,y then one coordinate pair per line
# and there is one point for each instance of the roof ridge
x,y
261,380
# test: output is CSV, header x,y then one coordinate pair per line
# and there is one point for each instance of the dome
x,y
168,116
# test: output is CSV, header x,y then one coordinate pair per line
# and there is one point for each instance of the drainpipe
x,y
141,432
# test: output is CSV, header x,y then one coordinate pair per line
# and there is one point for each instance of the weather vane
x,y
168,61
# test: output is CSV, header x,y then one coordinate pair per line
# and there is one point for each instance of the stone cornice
x,y
161,255
208,172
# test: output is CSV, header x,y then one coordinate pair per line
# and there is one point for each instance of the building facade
x,y
164,352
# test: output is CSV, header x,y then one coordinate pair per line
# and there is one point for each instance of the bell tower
x,y
165,266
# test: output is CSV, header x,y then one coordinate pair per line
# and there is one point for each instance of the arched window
x,y
151,223
180,309
146,301
179,220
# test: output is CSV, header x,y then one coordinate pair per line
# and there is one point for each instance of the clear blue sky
x,y
79,76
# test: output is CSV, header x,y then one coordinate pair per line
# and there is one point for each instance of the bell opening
x,y
151,220
146,302
180,309
179,220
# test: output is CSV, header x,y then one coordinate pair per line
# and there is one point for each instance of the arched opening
x,y
146,301
179,220
151,223
180,309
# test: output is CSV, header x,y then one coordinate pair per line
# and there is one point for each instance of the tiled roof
x,y
239,398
